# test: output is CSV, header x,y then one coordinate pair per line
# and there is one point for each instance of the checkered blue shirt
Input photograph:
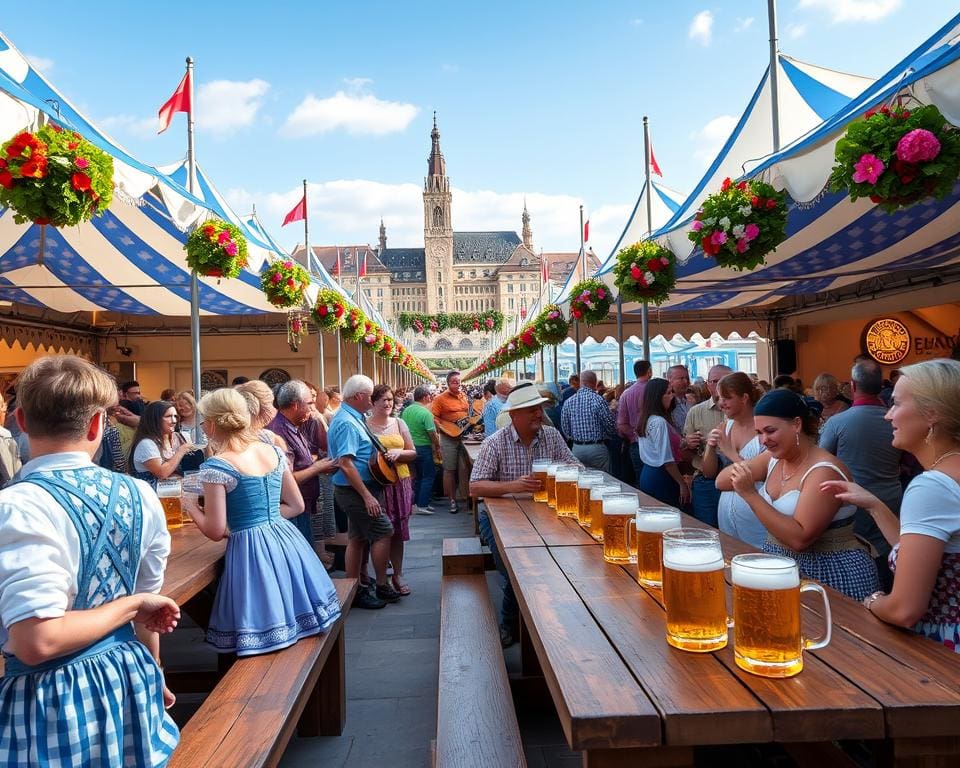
x,y
587,418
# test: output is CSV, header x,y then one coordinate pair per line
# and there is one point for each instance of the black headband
x,y
785,404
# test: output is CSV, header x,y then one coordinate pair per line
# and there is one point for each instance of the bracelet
x,y
871,599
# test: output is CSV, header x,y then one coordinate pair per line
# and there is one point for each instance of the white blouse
x,y
655,448
40,548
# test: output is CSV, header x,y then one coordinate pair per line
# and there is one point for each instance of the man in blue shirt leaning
x,y
494,405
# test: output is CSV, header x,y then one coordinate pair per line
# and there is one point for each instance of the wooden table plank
x,y
599,703
194,563
511,526
696,697
555,531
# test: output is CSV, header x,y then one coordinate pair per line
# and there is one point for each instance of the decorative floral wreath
x,y
590,301
354,326
217,249
645,271
465,322
550,326
329,310
372,336
897,157
741,224
54,177
284,283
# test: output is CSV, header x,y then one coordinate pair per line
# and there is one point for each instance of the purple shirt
x,y
628,410
300,452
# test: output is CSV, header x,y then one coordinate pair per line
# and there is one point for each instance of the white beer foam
x,y
754,577
552,470
587,480
612,506
597,492
566,474
657,523
692,559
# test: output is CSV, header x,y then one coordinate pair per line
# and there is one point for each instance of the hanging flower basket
x,y
55,177
284,283
372,336
741,224
645,271
329,310
897,157
590,301
550,326
217,249
354,325
296,328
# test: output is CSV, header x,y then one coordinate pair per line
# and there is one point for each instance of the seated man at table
x,y
504,467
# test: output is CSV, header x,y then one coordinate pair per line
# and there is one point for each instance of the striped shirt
x,y
504,458
587,418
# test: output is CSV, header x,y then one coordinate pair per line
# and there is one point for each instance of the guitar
x,y
382,469
457,429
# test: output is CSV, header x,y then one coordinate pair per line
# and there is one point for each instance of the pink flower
x,y
697,225
275,278
82,162
288,265
601,294
742,245
231,249
918,146
224,237
665,261
719,237
751,232
868,169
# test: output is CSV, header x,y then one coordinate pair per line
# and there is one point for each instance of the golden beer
x,y
172,511
651,523
539,468
567,498
619,510
552,486
585,482
597,493
693,590
766,614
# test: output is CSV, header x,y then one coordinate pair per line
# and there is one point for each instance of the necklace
x,y
943,456
784,477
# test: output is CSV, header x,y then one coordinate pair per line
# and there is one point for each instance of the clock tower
x,y
437,230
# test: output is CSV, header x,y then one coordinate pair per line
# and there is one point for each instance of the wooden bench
x,y
249,717
476,721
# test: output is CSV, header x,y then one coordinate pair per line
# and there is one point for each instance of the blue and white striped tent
x,y
832,243
130,260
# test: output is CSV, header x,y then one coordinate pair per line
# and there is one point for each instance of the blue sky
x,y
536,101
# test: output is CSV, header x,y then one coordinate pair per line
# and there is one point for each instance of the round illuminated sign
x,y
887,341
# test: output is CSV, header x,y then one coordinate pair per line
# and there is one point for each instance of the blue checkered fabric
x,y
101,706
586,417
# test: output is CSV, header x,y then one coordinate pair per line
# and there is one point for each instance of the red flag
x,y
179,102
363,265
336,266
586,230
544,269
299,212
654,167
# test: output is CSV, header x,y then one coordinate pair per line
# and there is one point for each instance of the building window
x,y
510,303
379,293
439,277
523,287
438,217
510,289
460,275
367,292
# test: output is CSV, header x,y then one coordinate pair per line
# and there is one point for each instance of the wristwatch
x,y
871,599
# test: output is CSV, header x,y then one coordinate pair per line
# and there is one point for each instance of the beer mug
x,y
766,615
619,510
552,484
539,469
651,523
585,482
693,589
169,492
566,489
597,493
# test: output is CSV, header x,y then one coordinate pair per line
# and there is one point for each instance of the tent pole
x,y
647,191
359,358
339,364
194,280
774,71
620,339
306,250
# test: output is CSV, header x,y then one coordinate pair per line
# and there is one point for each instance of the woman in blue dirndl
x,y
82,550
274,589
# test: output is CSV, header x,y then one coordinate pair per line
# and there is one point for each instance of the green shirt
x,y
420,422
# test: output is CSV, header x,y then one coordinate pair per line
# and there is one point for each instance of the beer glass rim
x,y
692,535
568,469
760,561
618,496
651,509
554,465
542,462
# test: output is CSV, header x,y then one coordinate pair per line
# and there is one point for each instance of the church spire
x,y
527,233
383,236
436,165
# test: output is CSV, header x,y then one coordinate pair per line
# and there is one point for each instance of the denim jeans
x,y
426,471
706,499
509,609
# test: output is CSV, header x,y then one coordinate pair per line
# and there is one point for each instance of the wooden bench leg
x,y
529,663
325,712
931,752
653,757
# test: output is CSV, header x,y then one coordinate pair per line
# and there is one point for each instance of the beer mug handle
x,y
813,644
632,534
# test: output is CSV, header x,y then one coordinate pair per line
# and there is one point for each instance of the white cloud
x,y
701,28
40,63
853,10
711,138
142,127
225,106
348,211
353,112
796,31
743,24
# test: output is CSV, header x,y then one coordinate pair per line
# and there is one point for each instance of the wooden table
x,y
472,449
624,697
194,563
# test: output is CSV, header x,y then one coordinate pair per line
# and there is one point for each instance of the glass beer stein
x,y
651,523
585,482
619,511
597,493
552,484
693,589
539,468
766,615
169,492
566,489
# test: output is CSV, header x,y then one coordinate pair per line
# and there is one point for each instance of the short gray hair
x,y
356,383
292,392
868,376
421,392
588,378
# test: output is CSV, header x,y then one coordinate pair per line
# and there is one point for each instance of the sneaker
x,y
366,599
387,593
506,638
428,510
453,507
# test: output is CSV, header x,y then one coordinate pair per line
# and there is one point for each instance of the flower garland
x,y
53,176
284,283
354,326
897,157
217,249
590,301
741,224
645,271
465,322
372,336
329,309
550,326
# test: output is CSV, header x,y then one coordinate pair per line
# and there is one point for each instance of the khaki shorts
x,y
450,450
359,523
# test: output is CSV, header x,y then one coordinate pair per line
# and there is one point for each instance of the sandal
x,y
403,589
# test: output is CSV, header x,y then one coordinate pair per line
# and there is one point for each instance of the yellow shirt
x,y
395,441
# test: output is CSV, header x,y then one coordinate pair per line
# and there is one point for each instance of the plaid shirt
x,y
504,458
587,418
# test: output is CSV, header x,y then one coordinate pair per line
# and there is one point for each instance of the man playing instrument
x,y
449,408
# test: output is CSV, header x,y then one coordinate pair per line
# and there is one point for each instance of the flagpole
x,y
194,279
774,72
583,273
306,248
647,191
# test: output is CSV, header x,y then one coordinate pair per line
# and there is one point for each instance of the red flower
x,y
876,199
41,221
322,311
56,128
906,171
635,272
654,265
576,313
72,145
214,272
726,184
771,204
755,201
291,282
709,247
338,309
742,186
6,179
870,113
14,150
80,182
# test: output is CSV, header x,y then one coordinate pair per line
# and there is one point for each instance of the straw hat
x,y
522,396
